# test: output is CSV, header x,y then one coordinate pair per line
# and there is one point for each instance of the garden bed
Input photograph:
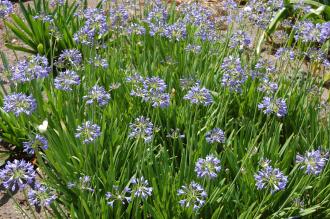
x,y
168,110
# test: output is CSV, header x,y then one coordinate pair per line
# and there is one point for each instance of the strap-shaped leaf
x,y
20,34
271,27
20,48
19,22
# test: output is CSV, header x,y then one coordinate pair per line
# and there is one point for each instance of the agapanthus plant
x,y
271,105
67,80
234,75
270,178
141,188
41,196
38,142
193,196
6,8
216,135
30,68
123,196
199,95
208,167
17,175
97,94
141,128
313,161
69,58
19,103
88,132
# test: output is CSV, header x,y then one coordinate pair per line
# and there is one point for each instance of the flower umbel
x,y
270,105
19,103
313,162
98,95
31,68
17,174
66,80
208,167
33,145
41,196
141,128
117,195
6,8
141,188
193,196
198,95
216,135
270,178
88,132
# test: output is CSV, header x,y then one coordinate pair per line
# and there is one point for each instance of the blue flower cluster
x,y
193,195
95,26
198,95
87,132
142,128
39,142
97,94
270,178
29,69
19,103
234,74
208,167
139,189
6,8
66,80
313,162
307,31
150,90
69,58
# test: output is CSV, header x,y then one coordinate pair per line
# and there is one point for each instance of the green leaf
x,y
19,48
20,35
4,155
281,14
22,25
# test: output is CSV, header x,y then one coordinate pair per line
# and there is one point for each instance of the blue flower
x,y
66,80
118,17
193,48
97,61
17,175
234,75
98,95
240,39
88,132
6,8
41,196
271,105
69,58
31,68
313,162
268,87
121,196
84,183
208,167
32,146
216,135
270,178
285,53
19,103
140,188
141,128
198,95
150,90
193,195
